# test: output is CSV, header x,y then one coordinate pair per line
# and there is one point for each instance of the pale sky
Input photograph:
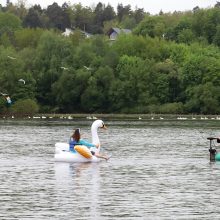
x,y
152,6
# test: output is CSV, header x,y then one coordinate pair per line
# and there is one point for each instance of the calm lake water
x,y
158,170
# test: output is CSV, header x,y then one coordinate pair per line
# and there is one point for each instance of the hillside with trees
x,y
170,63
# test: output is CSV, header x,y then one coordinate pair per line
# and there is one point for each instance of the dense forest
x,y
169,63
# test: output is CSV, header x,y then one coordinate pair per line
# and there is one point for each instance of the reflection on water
x,y
158,170
80,185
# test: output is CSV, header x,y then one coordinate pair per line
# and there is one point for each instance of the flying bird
x,y
21,80
87,68
65,68
8,99
12,58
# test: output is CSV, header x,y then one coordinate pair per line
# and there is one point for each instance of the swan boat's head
x,y
94,129
98,124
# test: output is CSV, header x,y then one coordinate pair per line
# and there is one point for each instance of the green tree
x,y
204,99
216,39
82,18
57,16
130,87
3,108
95,97
32,19
25,107
123,11
69,89
53,52
27,38
186,36
9,23
167,82
5,40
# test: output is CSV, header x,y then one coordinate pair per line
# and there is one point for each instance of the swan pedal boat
x,y
63,154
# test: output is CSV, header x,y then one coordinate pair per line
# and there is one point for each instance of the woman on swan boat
x,y
75,139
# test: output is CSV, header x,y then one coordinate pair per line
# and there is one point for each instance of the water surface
x,y
158,170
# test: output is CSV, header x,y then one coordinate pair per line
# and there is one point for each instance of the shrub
x,y
2,105
25,107
172,108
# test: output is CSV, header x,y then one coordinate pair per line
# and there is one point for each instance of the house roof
x,y
118,31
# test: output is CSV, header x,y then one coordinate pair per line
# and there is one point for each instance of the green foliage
x,y
131,45
25,107
53,52
9,23
3,108
172,108
186,36
5,40
204,99
27,38
130,84
170,63
95,97
151,26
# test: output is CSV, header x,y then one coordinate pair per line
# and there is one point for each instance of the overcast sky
x,y
152,6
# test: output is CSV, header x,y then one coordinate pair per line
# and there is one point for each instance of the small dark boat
x,y
214,155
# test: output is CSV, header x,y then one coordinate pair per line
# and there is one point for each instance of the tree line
x,y
169,64
93,20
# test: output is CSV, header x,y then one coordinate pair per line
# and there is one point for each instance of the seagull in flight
x,y
64,68
12,58
88,68
21,80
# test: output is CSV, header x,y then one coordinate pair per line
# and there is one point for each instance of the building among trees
x,y
114,32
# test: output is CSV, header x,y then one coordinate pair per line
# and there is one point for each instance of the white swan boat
x,y
63,154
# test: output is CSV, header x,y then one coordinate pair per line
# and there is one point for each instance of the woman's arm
x,y
87,144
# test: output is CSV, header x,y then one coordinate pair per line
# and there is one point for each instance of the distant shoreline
x,y
118,116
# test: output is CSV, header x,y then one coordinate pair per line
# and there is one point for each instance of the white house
x,y
68,31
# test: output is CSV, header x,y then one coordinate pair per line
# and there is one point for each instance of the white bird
x,y
12,58
21,80
88,68
4,94
64,68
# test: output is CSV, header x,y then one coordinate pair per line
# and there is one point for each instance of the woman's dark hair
x,y
76,135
